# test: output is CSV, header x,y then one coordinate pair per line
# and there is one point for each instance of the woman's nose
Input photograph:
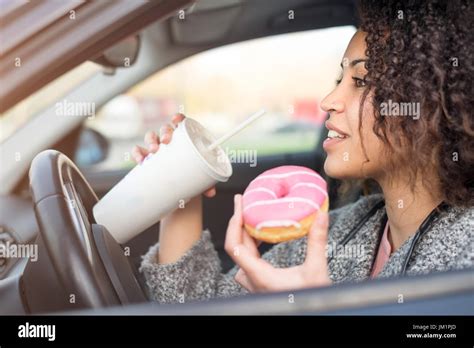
x,y
331,103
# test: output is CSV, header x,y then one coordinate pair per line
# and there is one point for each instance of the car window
x,y
288,75
17,116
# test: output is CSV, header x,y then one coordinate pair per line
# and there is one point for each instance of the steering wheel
x,y
79,263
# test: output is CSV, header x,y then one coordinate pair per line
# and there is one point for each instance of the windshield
x,y
17,116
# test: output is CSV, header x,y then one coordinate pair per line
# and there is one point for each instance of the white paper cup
x,y
163,182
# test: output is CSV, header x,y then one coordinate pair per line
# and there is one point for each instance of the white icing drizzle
x,y
278,223
285,175
262,189
307,184
283,200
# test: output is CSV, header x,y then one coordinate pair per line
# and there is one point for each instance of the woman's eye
x,y
338,81
359,82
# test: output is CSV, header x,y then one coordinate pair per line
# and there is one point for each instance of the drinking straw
x,y
237,129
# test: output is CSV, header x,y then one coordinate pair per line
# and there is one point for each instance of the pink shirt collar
x,y
383,254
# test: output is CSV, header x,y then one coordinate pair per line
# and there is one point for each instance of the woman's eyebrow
x,y
354,62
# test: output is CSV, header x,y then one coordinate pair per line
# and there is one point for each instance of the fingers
x,y
152,141
251,243
317,241
247,240
177,119
139,153
238,208
166,132
211,192
234,229
254,267
234,243
243,254
256,274
236,235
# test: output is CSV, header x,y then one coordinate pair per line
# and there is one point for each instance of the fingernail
x,y
236,200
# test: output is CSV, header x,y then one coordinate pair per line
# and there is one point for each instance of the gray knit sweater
x,y
448,244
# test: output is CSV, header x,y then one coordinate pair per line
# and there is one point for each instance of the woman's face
x,y
345,156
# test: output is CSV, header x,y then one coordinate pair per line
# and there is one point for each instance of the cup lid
x,y
216,161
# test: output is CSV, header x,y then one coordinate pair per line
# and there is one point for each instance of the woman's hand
x,y
257,275
153,141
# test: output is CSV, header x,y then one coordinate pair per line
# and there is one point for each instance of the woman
x,y
404,108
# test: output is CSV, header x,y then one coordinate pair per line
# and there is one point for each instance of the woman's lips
x,y
332,127
335,136
331,142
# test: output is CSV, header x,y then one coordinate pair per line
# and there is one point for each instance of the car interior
x,y
79,256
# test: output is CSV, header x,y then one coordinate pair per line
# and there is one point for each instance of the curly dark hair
x,y
422,52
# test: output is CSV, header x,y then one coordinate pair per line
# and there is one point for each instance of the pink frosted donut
x,y
281,203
